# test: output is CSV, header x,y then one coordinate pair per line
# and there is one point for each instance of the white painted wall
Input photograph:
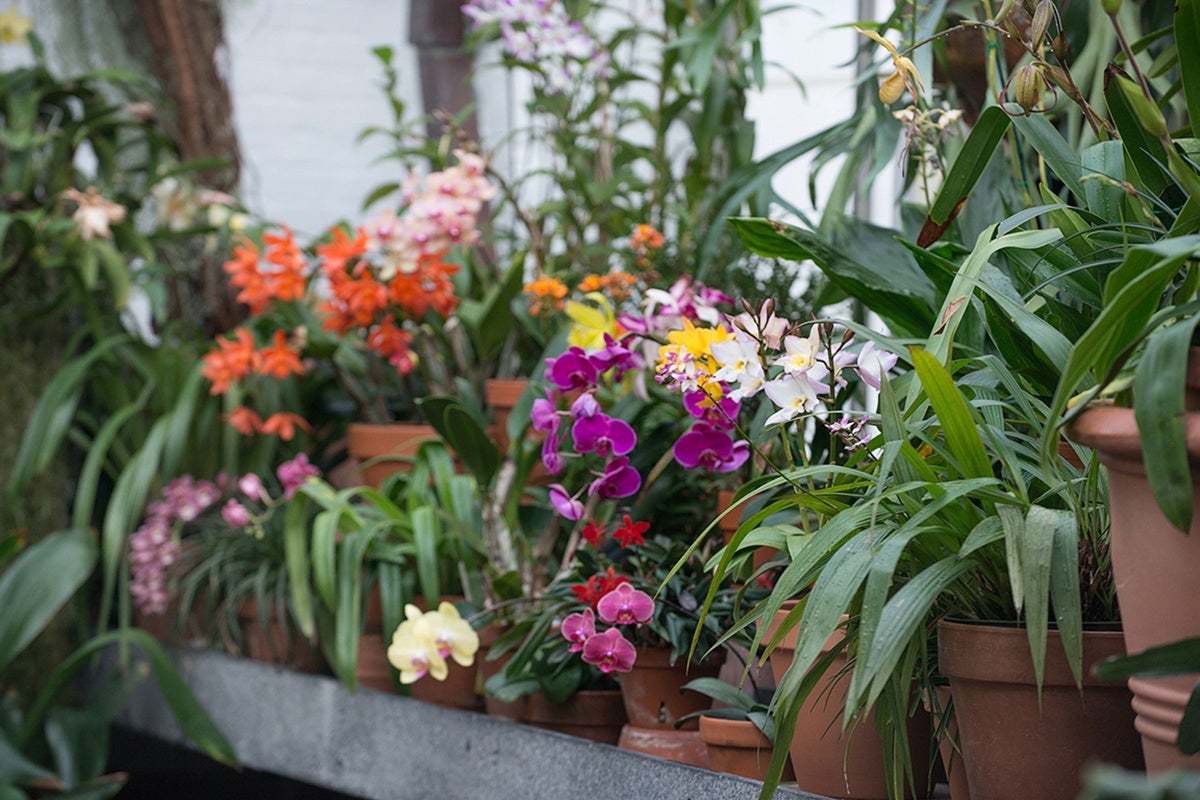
x,y
304,84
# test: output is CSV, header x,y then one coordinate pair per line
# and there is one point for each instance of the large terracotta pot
x,y
738,747
514,710
655,699
825,762
1015,745
597,715
390,444
1156,569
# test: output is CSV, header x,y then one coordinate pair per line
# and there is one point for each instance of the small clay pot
x,y
589,714
385,442
738,747
273,644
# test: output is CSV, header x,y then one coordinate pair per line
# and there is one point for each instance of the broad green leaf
x,y
1159,394
1103,168
1037,545
38,583
474,448
193,720
1177,658
78,740
1051,146
295,552
348,617
1146,152
1187,30
15,767
426,533
985,136
958,425
1064,589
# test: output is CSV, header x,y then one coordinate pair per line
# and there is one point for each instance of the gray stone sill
x,y
374,745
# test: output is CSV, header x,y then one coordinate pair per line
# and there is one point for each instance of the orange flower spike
x,y
233,360
591,283
245,258
646,237
281,249
547,294
388,340
287,285
245,421
341,250
283,424
278,360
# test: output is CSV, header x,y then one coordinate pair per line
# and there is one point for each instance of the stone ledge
x,y
374,745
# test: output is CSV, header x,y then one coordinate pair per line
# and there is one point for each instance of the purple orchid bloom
x,y
610,651
567,506
572,370
552,460
586,405
626,605
616,356
638,325
578,628
293,474
603,435
619,480
710,448
544,414
719,414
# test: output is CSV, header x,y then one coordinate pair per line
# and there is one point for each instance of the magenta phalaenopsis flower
x,y
710,449
603,435
619,480
610,651
617,357
552,460
564,504
544,414
235,514
572,370
721,413
292,474
578,628
625,605
586,405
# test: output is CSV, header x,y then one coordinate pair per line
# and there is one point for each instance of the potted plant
x,y
739,732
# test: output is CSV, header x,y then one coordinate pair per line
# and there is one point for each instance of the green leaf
x,y
16,767
79,741
1187,30
976,151
38,583
193,721
958,425
1177,658
1146,152
425,536
1036,545
1051,146
1159,397
295,553
1103,166
1064,589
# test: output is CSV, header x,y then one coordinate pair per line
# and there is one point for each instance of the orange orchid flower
x,y
283,424
245,421
233,360
278,359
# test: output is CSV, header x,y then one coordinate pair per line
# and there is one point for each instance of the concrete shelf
x,y
373,745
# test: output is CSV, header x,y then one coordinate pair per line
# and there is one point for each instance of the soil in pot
x,y
1011,748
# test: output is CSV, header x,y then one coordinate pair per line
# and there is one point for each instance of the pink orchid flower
x,y
625,605
610,651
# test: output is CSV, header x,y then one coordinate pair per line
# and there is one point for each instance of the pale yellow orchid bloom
x,y
905,76
591,322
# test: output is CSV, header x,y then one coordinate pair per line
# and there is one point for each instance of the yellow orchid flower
x,y
905,76
13,26
454,636
592,322
414,650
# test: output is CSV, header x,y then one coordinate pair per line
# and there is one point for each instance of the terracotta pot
x,y
391,444
1011,747
502,396
738,747
274,644
825,762
596,715
654,699
1156,568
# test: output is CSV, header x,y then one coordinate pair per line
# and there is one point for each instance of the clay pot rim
x,y
964,663
725,732
1113,432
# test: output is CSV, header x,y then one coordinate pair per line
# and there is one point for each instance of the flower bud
x,y
1026,87
1004,11
1111,7
891,89
1061,47
1042,16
